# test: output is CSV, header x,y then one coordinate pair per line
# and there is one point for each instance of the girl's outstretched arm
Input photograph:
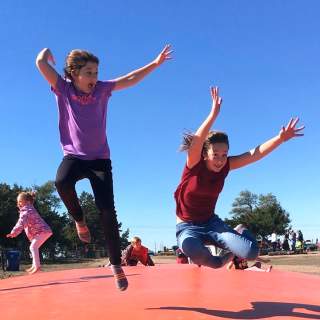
x,y
195,149
18,228
285,134
43,61
135,76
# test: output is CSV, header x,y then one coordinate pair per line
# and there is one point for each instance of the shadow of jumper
x,y
260,310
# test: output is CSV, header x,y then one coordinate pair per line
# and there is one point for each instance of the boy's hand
x,y
9,235
164,55
216,100
290,131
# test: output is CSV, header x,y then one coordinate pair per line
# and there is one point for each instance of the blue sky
x,y
263,55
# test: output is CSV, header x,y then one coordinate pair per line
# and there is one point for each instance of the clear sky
x,y
264,55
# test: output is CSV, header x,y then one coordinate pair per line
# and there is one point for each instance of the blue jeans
x,y
192,237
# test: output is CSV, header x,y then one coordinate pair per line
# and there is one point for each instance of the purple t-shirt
x,y
82,119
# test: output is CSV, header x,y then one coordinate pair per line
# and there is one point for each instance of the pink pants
x,y
36,243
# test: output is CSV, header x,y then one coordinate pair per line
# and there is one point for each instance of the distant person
x,y
292,240
299,242
206,169
285,243
300,236
34,226
82,102
274,241
136,252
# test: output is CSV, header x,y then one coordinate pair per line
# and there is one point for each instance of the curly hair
x,y
212,137
76,59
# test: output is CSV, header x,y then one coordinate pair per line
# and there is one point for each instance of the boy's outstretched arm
x,y
195,150
285,134
135,76
43,60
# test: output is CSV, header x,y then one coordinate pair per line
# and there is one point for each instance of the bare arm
x,y
43,64
127,254
150,261
194,152
285,134
136,76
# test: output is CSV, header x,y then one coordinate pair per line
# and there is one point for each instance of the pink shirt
x,y
31,222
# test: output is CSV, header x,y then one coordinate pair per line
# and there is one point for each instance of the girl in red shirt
x,y
207,166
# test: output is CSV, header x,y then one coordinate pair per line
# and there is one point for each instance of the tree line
x,y
262,214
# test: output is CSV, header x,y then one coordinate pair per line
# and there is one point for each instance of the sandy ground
x,y
306,263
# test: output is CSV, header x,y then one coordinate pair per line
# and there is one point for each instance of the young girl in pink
x,y
34,226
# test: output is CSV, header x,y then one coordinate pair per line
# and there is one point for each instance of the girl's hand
x,y
290,131
164,55
48,56
216,100
9,235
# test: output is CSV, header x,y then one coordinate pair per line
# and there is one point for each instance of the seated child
x,y
134,253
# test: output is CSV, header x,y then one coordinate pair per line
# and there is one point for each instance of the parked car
x,y
310,246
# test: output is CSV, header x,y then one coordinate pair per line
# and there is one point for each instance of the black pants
x,y
99,172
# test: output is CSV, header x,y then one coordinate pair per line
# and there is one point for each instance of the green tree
x,y
261,214
244,205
